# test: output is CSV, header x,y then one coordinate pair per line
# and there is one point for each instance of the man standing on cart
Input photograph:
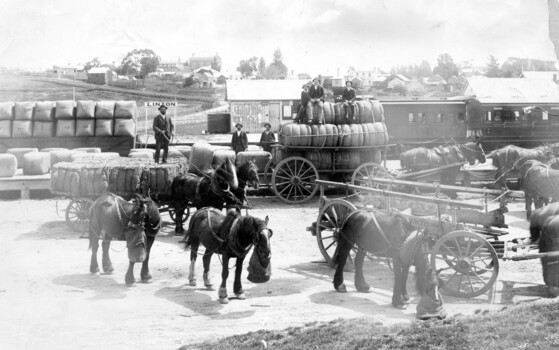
x,y
163,128
316,99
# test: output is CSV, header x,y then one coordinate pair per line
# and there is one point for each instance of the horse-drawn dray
x,y
463,236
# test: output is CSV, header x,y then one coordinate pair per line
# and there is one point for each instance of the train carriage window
x,y
545,115
421,118
516,115
497,116
488,116
411,118
460,117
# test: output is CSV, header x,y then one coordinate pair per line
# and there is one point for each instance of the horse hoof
x,y
131,284
241,296
224,300
342,288
192,283
400,306
363,289
553,291
146,279
209,286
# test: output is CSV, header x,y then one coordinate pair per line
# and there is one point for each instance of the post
x,y
146,127
74,93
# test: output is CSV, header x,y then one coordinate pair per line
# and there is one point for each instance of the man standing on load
x,y
239,141
316,98
348,97
163,128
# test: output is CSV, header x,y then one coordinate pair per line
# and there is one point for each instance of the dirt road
x,y
48,298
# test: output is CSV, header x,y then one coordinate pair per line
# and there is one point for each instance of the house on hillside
x,y
101,76
434,83
66,72
395,80
255,102
456,83
542,75
199,62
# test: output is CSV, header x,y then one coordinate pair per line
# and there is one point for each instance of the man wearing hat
x,y
239,141
316,99
163,128
267,138
348,97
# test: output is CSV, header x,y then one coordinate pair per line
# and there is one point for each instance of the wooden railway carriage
x,y
306,153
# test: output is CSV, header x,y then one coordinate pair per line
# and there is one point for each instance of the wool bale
x,y
36,163
320,159
103,127
158,178
22,128
88,149
289,135
125,127
5,128
62,155
23,110
43,129
339,114
125,178
65,127
44,111
380,133
344,135
305,133
378,111
125,109
258,157
105,110
64,110
220,156
347,159
173,153
140,155
331,135
6,110
85,127
64,179
93,180
85,109
201,158
356,135
20,152
367,115
329,113
8,165
84,156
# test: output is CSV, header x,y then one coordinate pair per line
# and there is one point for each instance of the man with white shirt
x,y
163,128
239,141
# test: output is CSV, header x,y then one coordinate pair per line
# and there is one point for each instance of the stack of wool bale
x,y
6,119
65,119
104,116
43,119
23,119
367,129
125,118
85,118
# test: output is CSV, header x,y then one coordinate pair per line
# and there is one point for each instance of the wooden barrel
x,y
318,135
331,135
305,133
367,115
380,133
356,135
320,159
378,111
347,159
344,137
290,134
329,113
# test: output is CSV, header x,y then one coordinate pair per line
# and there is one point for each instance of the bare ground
x,y
48,298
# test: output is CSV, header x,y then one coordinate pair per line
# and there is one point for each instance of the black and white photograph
x,y
294,174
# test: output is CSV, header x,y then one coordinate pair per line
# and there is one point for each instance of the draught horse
x,y
511,158
231,236
137,221
386,236
549,242
540,182
215,190
422,158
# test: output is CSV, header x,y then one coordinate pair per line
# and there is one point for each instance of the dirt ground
x,y
48,298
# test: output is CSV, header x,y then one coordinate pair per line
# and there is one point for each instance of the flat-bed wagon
x,y
465,244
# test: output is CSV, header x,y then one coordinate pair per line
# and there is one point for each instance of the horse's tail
x,y
93,225
188,238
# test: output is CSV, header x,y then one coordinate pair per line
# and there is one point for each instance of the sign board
x,y
159,103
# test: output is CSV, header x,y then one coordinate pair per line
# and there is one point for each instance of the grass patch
x,y
528,326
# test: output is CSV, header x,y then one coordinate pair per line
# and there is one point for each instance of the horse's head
x,y
134,232
152,220
259,266
248,172
474,151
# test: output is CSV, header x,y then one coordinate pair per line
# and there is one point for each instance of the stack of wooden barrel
x,y
343,141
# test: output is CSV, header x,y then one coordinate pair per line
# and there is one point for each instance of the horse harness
x,y
390,246
232,237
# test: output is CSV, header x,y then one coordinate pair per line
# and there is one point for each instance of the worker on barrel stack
x,y
163,128
303,104
316,99
348,97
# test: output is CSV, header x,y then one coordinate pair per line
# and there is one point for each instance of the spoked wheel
x,y
466,262
365,173
173,215
293,180
77,214
328,225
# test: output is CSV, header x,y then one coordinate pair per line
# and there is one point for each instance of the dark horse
x,y
549,242
422,158
511,158
225,187
137,222
383,235
540,182
232,236
538,218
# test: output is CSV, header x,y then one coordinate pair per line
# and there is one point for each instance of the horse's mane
x,y
253,224
245,169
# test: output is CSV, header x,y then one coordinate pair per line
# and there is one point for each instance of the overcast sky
x,y
315,36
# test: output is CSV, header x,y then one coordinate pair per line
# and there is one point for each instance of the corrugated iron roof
x,y
262,90
510,90
98,70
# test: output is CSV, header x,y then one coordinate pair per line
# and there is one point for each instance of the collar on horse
x,y
232,237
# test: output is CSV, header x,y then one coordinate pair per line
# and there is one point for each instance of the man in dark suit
x,y
239,141
267,138
348,97
163,128
316,98
303,103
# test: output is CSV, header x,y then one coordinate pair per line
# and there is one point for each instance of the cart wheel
x,y
268,169
368,171
77,214
329,224
460,259
293,180
172,215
